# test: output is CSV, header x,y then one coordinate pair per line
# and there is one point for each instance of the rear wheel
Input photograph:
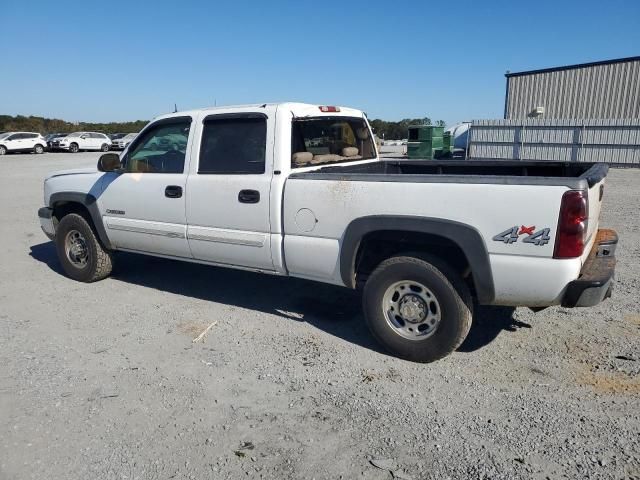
x,y
38,149
82,256
73,148
417,307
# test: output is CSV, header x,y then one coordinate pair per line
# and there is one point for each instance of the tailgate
x,y
594,198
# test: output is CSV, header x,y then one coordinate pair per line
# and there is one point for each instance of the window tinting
x,y
233,145
161,149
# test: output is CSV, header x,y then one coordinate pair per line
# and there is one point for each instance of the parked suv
x,y
121,143
22,142
74,142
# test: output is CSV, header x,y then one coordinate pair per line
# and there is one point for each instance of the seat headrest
x,y
362,133
302,158
349,152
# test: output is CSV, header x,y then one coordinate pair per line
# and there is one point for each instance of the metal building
x,y
600,90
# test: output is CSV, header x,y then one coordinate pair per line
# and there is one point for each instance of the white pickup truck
x,y
300,190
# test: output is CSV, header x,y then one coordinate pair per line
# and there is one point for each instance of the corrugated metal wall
x,y
611,141
610,90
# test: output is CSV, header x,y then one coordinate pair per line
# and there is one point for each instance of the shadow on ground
x,y
332,309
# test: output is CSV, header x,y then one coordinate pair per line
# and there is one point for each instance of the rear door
x,y
228,190
31,140
143,208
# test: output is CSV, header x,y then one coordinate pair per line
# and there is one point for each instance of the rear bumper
x,y
46,222
596,279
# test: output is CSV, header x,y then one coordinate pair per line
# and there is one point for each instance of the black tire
x,y
453,298
38,149
104,147
3,150
98,260
73,148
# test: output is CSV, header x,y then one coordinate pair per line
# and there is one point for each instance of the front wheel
x,y
82,256
73,148
417,307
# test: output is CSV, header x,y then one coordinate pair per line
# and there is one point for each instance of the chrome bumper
x,y
46,222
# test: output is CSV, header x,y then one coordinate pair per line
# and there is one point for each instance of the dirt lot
x,y
102,381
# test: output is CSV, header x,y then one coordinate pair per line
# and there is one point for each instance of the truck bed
x,y
572,175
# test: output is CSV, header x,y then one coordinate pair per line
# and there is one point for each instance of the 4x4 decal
x,y
511,235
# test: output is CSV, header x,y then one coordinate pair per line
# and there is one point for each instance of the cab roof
x,y
297,109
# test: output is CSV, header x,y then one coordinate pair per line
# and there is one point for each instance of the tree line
x,y
398,130
43,125
8,123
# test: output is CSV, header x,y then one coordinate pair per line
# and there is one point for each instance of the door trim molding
x,y
220,235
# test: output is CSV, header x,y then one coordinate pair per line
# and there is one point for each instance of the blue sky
x,y
114,61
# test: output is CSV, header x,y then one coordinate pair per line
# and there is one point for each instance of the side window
x,y
233,146
32,135
161,149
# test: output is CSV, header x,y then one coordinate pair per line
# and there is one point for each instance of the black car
x,y
51,144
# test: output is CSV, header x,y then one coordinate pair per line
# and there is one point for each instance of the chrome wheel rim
x,y
75,246
411,310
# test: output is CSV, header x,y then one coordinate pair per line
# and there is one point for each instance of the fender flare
x,y
464,236
90,203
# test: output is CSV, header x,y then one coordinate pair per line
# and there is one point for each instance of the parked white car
x,y
122,142
74,142
22,142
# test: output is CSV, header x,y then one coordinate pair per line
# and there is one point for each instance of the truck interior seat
x,y
301,158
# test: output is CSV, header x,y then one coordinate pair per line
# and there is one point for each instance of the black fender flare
x,y
90,203
465,236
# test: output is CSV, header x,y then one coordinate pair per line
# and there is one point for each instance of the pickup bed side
x,y
519,273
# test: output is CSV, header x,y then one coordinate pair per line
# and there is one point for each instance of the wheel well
x,y
375,247
61,209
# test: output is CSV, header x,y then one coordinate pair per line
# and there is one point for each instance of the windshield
x,y
75,134
5,135
130,136
323,140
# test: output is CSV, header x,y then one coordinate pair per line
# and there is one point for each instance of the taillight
x,y
572,225
329,108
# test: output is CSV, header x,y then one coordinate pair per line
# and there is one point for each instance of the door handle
x,y
173,191
249,196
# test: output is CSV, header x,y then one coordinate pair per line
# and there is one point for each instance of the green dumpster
x,y
425,141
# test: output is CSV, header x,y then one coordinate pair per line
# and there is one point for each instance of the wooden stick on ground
x,y
204,333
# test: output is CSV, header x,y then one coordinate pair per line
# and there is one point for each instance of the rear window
x,y
324,140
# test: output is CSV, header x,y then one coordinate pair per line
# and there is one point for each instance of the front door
x,y
143,207
228,191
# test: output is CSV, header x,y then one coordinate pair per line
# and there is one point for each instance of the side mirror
x,y
109,162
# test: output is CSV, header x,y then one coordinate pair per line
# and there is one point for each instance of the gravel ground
x,y
102,381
